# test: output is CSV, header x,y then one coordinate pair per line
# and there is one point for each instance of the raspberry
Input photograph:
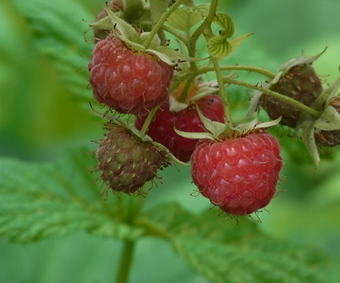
x,y
329,138
125,162
114,6
161,129
240,174
127,81
300,83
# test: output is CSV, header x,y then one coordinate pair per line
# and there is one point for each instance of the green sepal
x,y
329,120
104,23
184,18
127,31
285,67
213,127
156,42
194,135
225,22
171,56
257,125
219,47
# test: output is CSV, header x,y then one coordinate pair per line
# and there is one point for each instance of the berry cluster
x,y
174,116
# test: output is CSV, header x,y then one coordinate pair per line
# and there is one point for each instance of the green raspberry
x,y
125,162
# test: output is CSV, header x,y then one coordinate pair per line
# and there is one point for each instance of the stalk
x,y
295,103
125,263
161,21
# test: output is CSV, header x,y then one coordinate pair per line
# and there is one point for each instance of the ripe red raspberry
x,y
161,128
239,175
125,163
329,138
300,83
129,82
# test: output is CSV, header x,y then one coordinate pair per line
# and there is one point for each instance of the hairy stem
x,y
295,103
258,70
222,93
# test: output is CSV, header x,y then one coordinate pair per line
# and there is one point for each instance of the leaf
x,y
224,21
59,31
252,259
219,47
184,18
39,200
158,8
227,253
235,42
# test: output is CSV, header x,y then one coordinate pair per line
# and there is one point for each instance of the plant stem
x,y
175,33
258,70
148,121
125,262
222,93
275,94
160,23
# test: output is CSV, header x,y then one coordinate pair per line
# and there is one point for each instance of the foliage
x,y
45,199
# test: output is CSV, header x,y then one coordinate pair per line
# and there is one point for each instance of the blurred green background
x,y
41,116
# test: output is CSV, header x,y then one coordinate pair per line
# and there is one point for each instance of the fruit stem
x,y
125,263
161,21
148,121
222,93
258,70
292,101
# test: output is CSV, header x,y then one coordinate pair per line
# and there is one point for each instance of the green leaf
x,y
224,21
235,42
226,252
158,8
184,18
39,200
252,259
219,47
59,33
170,220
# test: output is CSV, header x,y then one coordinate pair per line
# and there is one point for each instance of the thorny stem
x,y
161,21
275,94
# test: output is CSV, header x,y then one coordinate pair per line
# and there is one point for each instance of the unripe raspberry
x,y
125,162
329,138
300,83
